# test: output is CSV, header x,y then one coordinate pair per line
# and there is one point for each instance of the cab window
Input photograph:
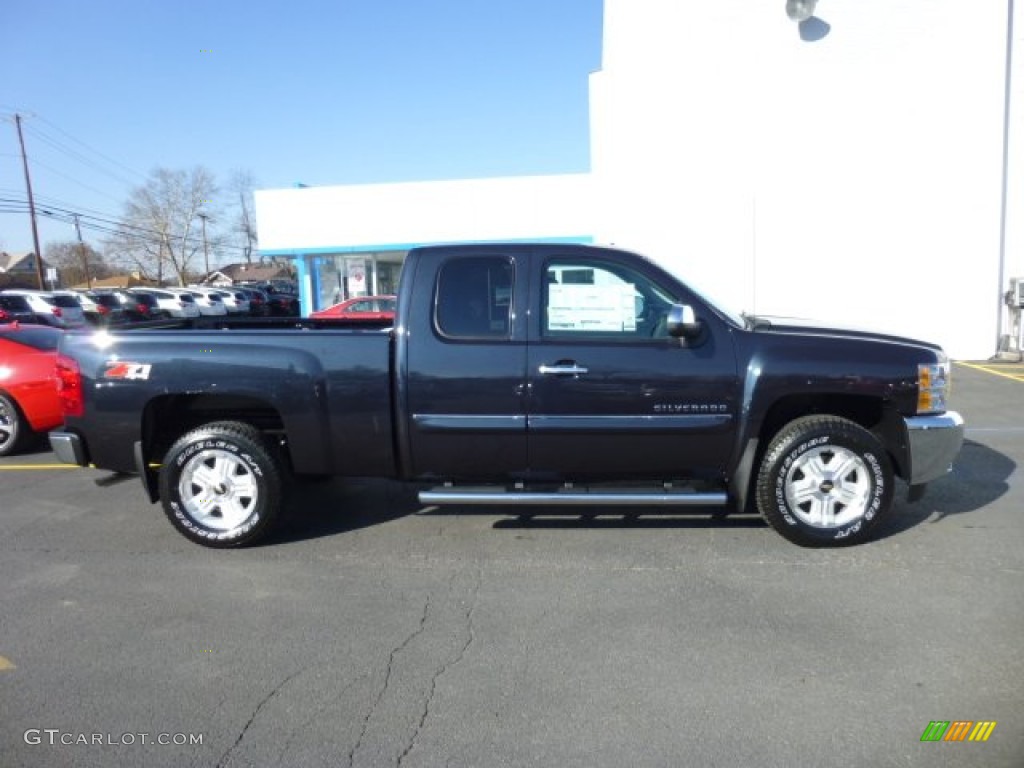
x,y
585,299
473,299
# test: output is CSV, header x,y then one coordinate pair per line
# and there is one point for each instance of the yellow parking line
x,y
993,371
5,664
40,466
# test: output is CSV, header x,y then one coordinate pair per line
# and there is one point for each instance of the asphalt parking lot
x,y
371,632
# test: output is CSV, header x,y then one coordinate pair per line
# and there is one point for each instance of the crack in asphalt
x,y
320,709
387,680
255,712
471,636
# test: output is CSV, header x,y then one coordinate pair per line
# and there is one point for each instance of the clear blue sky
x,y
342,92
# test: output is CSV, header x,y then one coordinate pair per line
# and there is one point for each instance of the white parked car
x,y
171,303
59,309
209,303
236,302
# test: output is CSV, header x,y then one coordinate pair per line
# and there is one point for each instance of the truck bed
x,y
326,380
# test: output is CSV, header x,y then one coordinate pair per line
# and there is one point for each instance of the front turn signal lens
x,y
932,387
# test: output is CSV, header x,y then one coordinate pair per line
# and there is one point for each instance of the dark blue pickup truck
x,y
538,374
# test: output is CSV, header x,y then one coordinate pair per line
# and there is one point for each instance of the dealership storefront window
x,y
340,276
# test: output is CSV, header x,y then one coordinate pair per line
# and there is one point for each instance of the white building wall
x,y
1014,247
374,215
855,179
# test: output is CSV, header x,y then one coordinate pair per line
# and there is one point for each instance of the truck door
x,y
611,394
465,373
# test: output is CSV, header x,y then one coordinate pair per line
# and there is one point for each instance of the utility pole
x,y
82,254
31,204
206,251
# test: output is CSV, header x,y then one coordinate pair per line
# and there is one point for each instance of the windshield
x,y
737,318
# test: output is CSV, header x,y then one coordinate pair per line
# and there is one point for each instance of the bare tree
x,y
160,231
244,225
76,262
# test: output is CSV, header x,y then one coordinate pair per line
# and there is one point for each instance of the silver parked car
x,y
59,309
171,303
100,308
209,303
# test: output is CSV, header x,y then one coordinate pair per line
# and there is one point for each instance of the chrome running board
x,y
573,498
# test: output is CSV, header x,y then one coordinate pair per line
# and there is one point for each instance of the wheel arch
x,y
167,417
872,413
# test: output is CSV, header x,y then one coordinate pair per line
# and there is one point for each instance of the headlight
x,y
932,387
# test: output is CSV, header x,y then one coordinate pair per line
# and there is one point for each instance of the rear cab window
x,y
473,298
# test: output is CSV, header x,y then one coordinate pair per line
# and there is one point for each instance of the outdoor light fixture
x,y
800,10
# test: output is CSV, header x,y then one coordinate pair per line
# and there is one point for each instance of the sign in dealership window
x,y
356,269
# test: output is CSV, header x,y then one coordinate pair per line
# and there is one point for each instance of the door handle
x,y
562,369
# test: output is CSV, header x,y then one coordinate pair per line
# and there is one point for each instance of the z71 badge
x,y
119,370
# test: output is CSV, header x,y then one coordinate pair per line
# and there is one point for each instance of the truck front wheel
x,y
220,485
824,481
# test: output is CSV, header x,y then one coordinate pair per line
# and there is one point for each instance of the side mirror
x,y
682,322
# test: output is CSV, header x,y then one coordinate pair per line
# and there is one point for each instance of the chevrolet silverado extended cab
x,y
539,374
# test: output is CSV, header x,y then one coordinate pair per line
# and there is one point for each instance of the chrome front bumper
x,y
934,442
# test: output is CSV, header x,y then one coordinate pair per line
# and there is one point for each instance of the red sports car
x,y
361,308
28,384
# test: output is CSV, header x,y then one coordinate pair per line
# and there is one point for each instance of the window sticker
x,y
592,308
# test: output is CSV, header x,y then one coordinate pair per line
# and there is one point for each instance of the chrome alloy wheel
x,y
829,487
218,489
8,424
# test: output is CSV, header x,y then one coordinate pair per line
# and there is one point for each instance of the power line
x,y
106,224
72,179
77,156
57,202
91,149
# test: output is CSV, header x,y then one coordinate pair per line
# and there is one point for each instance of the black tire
x,y
15,432
242,475
824,482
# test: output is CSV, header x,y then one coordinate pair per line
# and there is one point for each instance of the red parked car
x,y
361,308
28,385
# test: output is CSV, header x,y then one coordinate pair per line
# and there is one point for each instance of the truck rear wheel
x,y
824,481
220,485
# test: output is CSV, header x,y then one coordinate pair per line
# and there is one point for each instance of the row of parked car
x,y
101,307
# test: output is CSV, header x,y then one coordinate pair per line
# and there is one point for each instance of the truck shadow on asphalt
x,y
315,510
980,477
334,506
330,508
